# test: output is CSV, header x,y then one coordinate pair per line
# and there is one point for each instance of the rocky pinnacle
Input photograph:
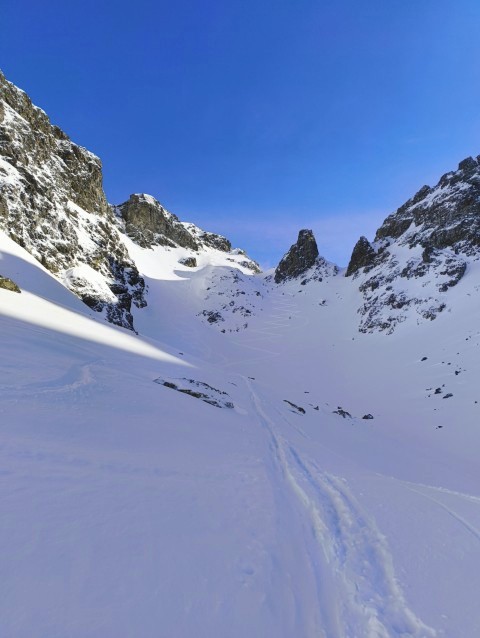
x,y
300,258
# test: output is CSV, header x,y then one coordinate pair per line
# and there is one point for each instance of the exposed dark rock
x,y
208,393
300,258
363,256
454,269
297,408
149,224
251,265
248,263
441,227
218,242
343,413
8,284
215,241
447,215
367,416
52,204
190,262
212,316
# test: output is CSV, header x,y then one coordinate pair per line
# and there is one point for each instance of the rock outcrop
x,y
8,284
149,224
363,256
211,240
52,203
300,258
431,237
190,262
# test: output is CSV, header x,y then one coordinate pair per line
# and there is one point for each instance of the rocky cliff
x,y
302,261
149,224
52,203
301,257
431,238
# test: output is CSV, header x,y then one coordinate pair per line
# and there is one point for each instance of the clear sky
x,y
255,118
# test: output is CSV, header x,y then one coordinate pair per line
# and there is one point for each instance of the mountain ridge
x,y
291,459
52,203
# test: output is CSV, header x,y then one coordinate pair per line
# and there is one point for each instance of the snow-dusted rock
x,y
149,224
300,258
420,252
52,203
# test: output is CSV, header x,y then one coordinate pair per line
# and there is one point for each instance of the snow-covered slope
x,y
294,459
134,506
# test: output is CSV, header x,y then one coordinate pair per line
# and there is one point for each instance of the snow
x,y
130,509
9,175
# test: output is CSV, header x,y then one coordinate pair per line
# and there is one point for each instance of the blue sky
x,y
258,118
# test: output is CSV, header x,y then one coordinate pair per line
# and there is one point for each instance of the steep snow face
x,y
420,252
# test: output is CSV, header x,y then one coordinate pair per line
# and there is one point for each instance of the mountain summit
x,y
52,203
301,256
432,238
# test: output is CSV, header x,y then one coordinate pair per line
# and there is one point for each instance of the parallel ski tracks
x,y
357,591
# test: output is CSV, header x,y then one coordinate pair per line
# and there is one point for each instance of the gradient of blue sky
x,y
257,118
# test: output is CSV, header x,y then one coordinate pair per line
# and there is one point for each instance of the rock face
x,y
52,203
190,262
149,224
8,284
431,237
300,258
363,256
202,237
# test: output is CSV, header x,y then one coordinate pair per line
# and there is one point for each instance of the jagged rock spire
x,y
362,256
299,258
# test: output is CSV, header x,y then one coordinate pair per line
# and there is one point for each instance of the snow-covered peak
x,y
420,252
52,203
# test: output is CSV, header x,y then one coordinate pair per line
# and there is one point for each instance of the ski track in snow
x,y
76,377
357,591
460,519
443,490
